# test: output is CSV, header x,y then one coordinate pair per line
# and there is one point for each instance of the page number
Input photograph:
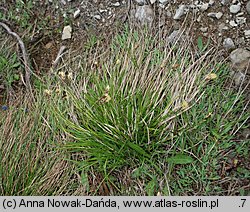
x,y
243,202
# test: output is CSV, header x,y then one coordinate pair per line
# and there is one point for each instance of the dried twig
x,y
59,56
24,53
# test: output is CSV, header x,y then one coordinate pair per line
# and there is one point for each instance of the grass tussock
x,y
143,104
136,115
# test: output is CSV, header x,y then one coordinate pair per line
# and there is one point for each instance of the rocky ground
x,y
225,23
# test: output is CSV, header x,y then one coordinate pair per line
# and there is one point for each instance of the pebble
x,y
240,58
248,7
232,23
116,4
180,12
67,30
228,43
77,13
240,20
98,17
141,2
204,7
238,78
222,27
145,14
163,1
211,2
215,15
247,33
152,1
63,2
234,9
225,2
204,29
174,36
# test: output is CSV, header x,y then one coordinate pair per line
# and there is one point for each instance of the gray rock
x,y
228,43
238,78
234,9
144,14
98,17
248,7
215,15
163,1
152,1
222,27
232,23
77,13
66,32
240,20
174,36
204,29
180,12
225,2
140,2
247,33
211,2
240,58
204,7
116,4
63,2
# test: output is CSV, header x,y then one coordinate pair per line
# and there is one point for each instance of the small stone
x,y
174,36
248,7
63,2
240,58
240,20
232,23
198,19
238,78
141,2
204,29
66,32
204,7
145,14
211,2
77,13
162,6
225,2
228,43
116,4
215,15
152,1
222,27
168,13
234,9
247,33
179,12
103,11
163,1
240,14
98,17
